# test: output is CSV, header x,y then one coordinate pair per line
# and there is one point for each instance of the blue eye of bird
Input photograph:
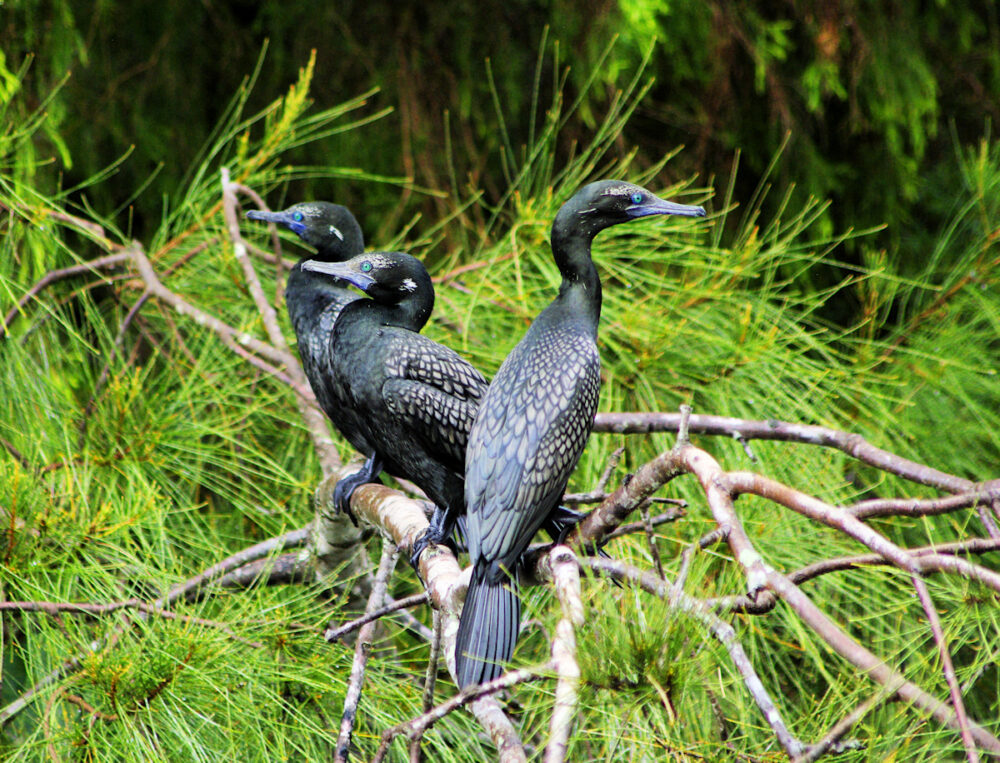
x,y
366,266
297,217
636,198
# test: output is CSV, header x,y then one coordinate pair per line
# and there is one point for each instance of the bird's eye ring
x,y
297,217
636,198
366,267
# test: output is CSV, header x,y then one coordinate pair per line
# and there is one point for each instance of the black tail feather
x,y
487,629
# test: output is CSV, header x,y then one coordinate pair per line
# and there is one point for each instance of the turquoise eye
x,y
636,198
366,266
297,217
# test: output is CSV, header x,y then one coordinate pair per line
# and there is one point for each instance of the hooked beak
x,y
280,218
661,207
342,270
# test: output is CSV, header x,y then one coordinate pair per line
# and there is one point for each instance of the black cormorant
x,y
314,301
533,423
415,399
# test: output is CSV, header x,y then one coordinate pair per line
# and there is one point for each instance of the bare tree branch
x,y
852,444
566,579
106,262
363,648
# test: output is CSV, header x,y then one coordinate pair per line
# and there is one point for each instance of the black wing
x,y
535,421
436,393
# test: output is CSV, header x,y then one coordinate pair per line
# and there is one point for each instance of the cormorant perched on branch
x,y
414,399
533,423
315,296
314,301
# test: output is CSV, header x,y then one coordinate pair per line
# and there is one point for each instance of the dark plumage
x,y
314,301
533,423
415,399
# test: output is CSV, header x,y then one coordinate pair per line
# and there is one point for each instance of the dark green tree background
x,y
872,98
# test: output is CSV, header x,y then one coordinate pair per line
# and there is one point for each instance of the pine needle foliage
x,y
139,450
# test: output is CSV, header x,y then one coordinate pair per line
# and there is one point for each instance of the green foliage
x,y
852,88
139,449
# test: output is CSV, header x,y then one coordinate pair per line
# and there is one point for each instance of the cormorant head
x,y
387,277
330,228
604,203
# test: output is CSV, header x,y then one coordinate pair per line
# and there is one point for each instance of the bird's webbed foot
x,y
561,520
441,526
344,489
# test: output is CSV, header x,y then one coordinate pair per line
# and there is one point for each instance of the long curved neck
x,y
580,291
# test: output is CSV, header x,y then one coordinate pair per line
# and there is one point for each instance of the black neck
x,y
412,312
580,291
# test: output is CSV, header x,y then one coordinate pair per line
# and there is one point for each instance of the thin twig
x,y
91,266
717,535
430,680
84,608
654,551
659,519
464,697
948,668
365,638
337,633
833,516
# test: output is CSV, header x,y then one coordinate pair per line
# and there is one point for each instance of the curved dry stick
x,y
852,444
100,263
268,315
363,648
